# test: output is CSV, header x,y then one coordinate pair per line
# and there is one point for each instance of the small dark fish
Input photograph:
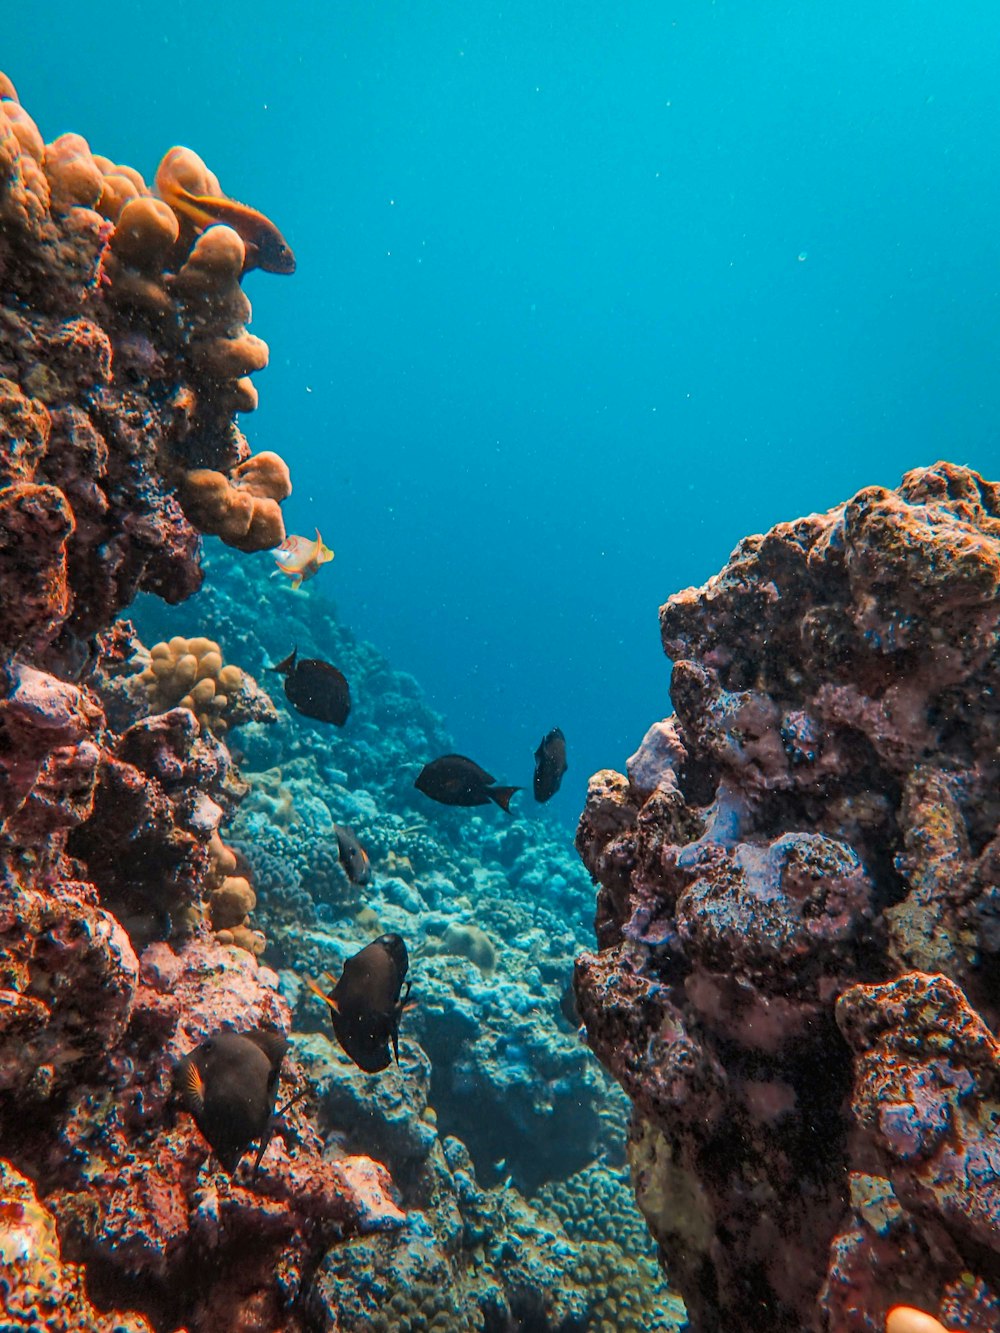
x,y
550,764
316,689
353,856
568,1006
365,1005
229,1084
455,780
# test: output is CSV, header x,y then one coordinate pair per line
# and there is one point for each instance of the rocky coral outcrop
x,y
123,356
39,1290
811,834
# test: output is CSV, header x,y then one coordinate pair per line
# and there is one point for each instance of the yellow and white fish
x,y
300,558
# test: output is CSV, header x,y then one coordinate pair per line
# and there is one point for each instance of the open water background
x,y
585,293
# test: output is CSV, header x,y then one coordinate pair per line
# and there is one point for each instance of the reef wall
x,y
123,357
798,921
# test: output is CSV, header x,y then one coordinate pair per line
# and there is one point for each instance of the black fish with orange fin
x,y
455,780
353,856
550,765
315,688
229,1084
266,248
365,1004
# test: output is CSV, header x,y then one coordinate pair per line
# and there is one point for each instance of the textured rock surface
x,y
818,819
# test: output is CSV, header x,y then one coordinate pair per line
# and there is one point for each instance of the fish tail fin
x,y
502,796
265,1139
286,665
327,999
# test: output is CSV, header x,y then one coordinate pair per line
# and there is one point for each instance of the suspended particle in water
x,y
803,256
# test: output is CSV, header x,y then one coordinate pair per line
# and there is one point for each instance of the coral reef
x,y
791,855
471,1258
140,855
496,1096
492,914
124,357
112,868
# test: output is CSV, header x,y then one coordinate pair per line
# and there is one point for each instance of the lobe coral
x,y
798,922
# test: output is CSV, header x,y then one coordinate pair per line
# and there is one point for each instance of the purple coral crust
x,y
818,820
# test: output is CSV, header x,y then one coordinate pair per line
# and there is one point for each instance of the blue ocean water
x,y
584,294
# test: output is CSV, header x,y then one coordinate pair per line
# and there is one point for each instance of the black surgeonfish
x,y
365,1004
315,688
229,1084
550,764
455,780
353,856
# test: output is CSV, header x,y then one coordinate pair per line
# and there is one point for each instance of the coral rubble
x,y
799,958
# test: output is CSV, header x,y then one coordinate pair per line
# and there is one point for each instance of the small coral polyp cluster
x,y
799,922
188,673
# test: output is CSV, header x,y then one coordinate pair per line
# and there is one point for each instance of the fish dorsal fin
x,y
327,999
288,664
193,1087
273,1044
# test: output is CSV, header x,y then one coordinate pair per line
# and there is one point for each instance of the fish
x,y
300,558
229,1084
455,780
908,1319
550,765
315,688
266,248
365,1003
353,856
568,1006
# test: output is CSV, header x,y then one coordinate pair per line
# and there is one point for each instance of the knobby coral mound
x,y
819,818
189,673
129,333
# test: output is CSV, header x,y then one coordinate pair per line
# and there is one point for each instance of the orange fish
x,y
266,247
907,1319
300,558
